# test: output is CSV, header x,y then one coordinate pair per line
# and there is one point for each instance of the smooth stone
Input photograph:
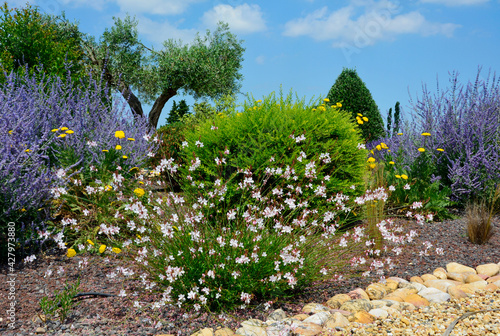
x,y
379,313
493,278
434,295
376,291
456,292
496,283
418,286
343,312
358,293
391,297
392,286
337,320
473,278
440,273
458,276
377,304
277,315
473,287
442,285
391,311
204,332
488,269
404,292
314,308
318,318
357,305
396,279
307,329
393,303
417,300
251,330
336,301
224,332
491,287
406,306
40,330
427,277
300,317
459,268
417,279
363,317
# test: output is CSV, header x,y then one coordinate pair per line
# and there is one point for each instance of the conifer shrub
x,y
355,98
264,132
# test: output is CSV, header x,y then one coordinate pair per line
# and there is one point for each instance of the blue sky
x,y
303,45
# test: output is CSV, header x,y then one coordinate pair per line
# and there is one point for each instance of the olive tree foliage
x,y
207,67
36,43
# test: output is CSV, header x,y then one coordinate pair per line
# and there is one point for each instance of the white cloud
x,y
364,23
158,32
260,59
241,19
455,3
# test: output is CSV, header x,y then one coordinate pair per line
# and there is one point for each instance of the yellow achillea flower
x,y
359,114
378,147
259,101
28,150
90,242
55,130
421,150
105,150
371,159
23,210
130,139
125,157
139,192
102,248
10,132
133,168
120,134
339,105
108,188
64,128
118,147
62,135
391,162
365,118
404,177
400,133
440,150
326,100
383,145
71,253
398,176
426,134
116,250
70,132
372,165
358,119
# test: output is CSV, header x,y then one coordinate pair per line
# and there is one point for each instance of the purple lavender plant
x,y
31,150
464,142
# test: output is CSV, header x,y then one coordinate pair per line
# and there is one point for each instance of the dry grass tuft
x,y
478,216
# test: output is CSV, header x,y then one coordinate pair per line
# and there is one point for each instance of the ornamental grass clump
x,y
479,216
259,249
53,134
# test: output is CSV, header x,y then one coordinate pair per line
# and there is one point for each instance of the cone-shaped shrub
x,y
355,97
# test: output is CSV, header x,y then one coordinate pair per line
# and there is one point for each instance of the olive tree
x,y
207,67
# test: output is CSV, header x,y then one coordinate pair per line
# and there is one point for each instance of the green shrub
x,y
355,97
278,129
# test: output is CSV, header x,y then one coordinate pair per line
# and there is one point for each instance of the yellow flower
x,y
71,253
138,236
130,139
371,151
359,121
140,182
383,145
400,133
28,150
314,109
339,105
55,130
404,177
90,242
365,118
371,159
102,248
326,100
440,150
70,132
378,147
23,210
64,128
125,157
238,114
139,192
120,134
116,250
426,134
108,188
391,162
10,132
372,165
134,168
105,150
61,135
175,228
118,147
359,114
421,150
259,101
398,176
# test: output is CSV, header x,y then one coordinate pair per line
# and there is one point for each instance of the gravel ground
x,y
117,316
